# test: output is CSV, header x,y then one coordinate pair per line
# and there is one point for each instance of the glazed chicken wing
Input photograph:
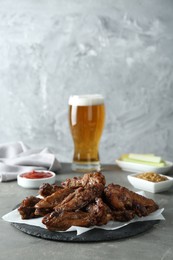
x,y
47,189
88,179
80,198
59,221
27,207
96,214
55,198
121,199
100,212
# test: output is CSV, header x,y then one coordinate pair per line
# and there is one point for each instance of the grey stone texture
x,y
121,49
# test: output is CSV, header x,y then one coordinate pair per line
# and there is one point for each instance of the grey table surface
x,y
157,243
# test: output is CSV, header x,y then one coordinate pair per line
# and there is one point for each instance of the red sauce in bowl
x,y
36,175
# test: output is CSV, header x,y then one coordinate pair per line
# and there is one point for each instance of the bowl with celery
x,y
143,162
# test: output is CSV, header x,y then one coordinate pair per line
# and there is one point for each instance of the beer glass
x,y
86,118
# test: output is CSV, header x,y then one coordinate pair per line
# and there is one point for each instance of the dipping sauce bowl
x,y
34,179
153,187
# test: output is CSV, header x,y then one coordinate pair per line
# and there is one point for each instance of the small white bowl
x,y
153,187
136,167
35,183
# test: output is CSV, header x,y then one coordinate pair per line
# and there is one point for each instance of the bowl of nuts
x,y
151,181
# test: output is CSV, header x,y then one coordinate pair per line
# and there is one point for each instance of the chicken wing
x,y
122,199
88,179
47,189
59,221
97,214
27,207
80,198
55,198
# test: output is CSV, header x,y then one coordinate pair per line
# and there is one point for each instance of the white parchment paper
x,y
15,217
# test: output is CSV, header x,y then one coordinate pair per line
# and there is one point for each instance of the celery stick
x,y
145,158
161,164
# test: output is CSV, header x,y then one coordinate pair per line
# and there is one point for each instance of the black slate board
x,y
94,235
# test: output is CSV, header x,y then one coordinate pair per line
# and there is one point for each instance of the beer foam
x,y
86,100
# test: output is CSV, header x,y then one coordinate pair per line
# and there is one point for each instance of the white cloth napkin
x,y
17,158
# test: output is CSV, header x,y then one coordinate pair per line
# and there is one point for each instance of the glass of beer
x,y
86,118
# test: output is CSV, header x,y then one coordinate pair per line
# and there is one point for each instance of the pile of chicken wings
x,y
85,201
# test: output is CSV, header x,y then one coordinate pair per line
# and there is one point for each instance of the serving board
x,y
94,235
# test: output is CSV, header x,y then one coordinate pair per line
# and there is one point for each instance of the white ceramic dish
x,y
136,167
35,183
153,187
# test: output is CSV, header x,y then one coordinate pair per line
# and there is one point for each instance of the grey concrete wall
x,y
121,49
